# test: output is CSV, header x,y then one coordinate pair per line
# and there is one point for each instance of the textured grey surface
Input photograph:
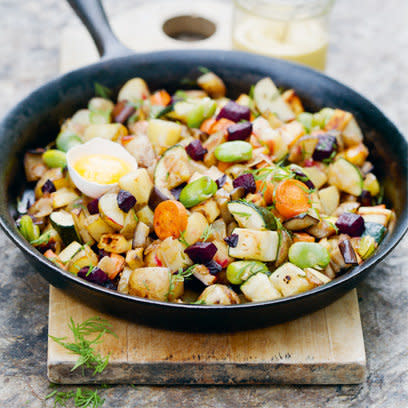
x,y
369,43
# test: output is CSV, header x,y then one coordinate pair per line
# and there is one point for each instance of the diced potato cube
x,y
163,134
134,258
139,184
259,288
209,209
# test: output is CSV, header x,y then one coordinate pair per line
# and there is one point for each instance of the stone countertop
x,y
368,51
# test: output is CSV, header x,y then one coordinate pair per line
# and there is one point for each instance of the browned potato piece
x,y
219,295
155,283
115,243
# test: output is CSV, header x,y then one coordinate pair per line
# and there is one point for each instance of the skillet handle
x,y
93,16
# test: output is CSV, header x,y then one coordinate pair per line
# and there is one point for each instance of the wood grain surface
x,y
325,347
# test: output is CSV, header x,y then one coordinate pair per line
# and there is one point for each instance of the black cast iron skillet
x,y
35,121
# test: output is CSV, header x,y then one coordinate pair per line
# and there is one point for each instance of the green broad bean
x,y
54,158
198,191
239,271
309,255
67,140
322,117
28,229
236,151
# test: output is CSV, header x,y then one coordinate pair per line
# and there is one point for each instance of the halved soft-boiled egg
x,y
96,166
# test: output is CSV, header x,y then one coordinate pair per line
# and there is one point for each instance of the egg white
x,y
96,146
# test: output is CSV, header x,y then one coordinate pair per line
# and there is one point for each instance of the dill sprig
x,y
83,398
102,90
206,233
83,347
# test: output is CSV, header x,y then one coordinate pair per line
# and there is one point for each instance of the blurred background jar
x,y
294,30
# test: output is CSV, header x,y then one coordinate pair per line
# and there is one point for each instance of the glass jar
x,y
294,30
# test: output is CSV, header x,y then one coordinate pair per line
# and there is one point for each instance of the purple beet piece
x,y
247,181
122,112
93,206
235,112
177,190
196,150
126,201
239,131
48,187
96,275
365,198
299,175
232,240
201,252
213,267
351,224
325,148
348,253
221,181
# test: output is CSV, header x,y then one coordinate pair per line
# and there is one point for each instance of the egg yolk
x,y
102,168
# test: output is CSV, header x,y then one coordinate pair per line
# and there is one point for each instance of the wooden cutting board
x,y
325,347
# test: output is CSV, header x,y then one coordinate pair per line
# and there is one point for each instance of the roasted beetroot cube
x,y
126,201
221,181
326,147
201,252
365,198
48,187
196,150
351,224
235,112
93,207
96,275
239,131
213,267
232,240
247,181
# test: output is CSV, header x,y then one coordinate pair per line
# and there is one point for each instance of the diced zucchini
x,y
239,271
346,177
163,134
172,169
259,288
375,230
248,215
69,252
254,244
290,280
268,99
146,215
63,222
329,199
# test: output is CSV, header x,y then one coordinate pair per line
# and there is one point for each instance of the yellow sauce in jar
x,y
101,168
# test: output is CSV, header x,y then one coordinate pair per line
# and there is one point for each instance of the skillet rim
x,y
216,56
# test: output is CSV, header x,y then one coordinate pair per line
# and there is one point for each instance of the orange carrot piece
x,y
53,257
291,198
221,125
160,98
170,219
302,237
207,124
222,166
266,189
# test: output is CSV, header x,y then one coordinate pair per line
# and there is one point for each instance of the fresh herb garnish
x,y
203,70
206,233
182,239
102,90
83,398
251,91
198,302
83,347
241,214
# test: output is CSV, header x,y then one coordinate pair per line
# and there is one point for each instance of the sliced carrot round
x,y
266,189
291,198
170,219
